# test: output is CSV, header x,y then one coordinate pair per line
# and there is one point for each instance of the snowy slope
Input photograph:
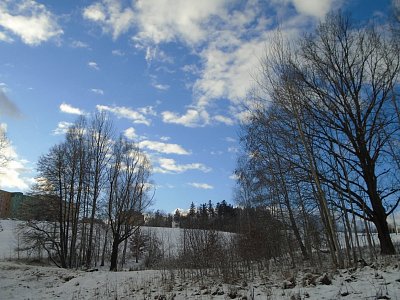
x,y
34,282
8,240
22,281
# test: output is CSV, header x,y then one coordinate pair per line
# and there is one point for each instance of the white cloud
x,y
228,65
203,186
165,21
5,38
97,91
166,186
168,165
130,133
315,8
95,12
28,20
228,41
163,147
110,15
62,128
68,109
229,55
230,139
192,118
148,110
158,21
165,138
79,44
117,52
137,117
93,65
224,119
162,87
233,177
14,174
193,69
154,53
157,85
217,152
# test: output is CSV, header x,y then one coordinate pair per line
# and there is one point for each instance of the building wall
x,y
5,204
12,205
17,199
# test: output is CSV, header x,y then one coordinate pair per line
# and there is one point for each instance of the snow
x,y
19,281
169,238
8,242
27,281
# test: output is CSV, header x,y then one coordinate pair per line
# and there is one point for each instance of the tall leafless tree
x,y
128,186
336,95
100,134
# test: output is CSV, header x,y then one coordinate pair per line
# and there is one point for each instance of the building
x,y
5,204
14,204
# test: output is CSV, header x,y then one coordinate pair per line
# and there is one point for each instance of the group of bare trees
x,y
322,139
90,186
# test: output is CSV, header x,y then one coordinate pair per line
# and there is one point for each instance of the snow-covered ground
x,y
8,240
19,281
22,281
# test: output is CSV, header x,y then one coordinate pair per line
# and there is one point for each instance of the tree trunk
x,y
104,248
387,247
114,254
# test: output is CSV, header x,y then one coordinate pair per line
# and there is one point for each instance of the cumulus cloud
x,y
165,21
130,133
165,138
228,57
29,20
162,87
153,53
97,91
79,44
223,119
315,8
5,38
7,107
93,65
165,148
136,116
14,173
117,52
62,128
168,165
69,109
203,186
110,16
192,118
228,38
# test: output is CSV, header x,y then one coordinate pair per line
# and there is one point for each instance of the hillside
x,y
19,280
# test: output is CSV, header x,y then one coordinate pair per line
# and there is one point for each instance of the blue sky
x,y
172,73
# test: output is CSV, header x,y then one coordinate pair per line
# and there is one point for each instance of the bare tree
x,y
100,134
336,96
349,77
128,185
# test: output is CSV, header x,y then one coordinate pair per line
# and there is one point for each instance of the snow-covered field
x,y
22,281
